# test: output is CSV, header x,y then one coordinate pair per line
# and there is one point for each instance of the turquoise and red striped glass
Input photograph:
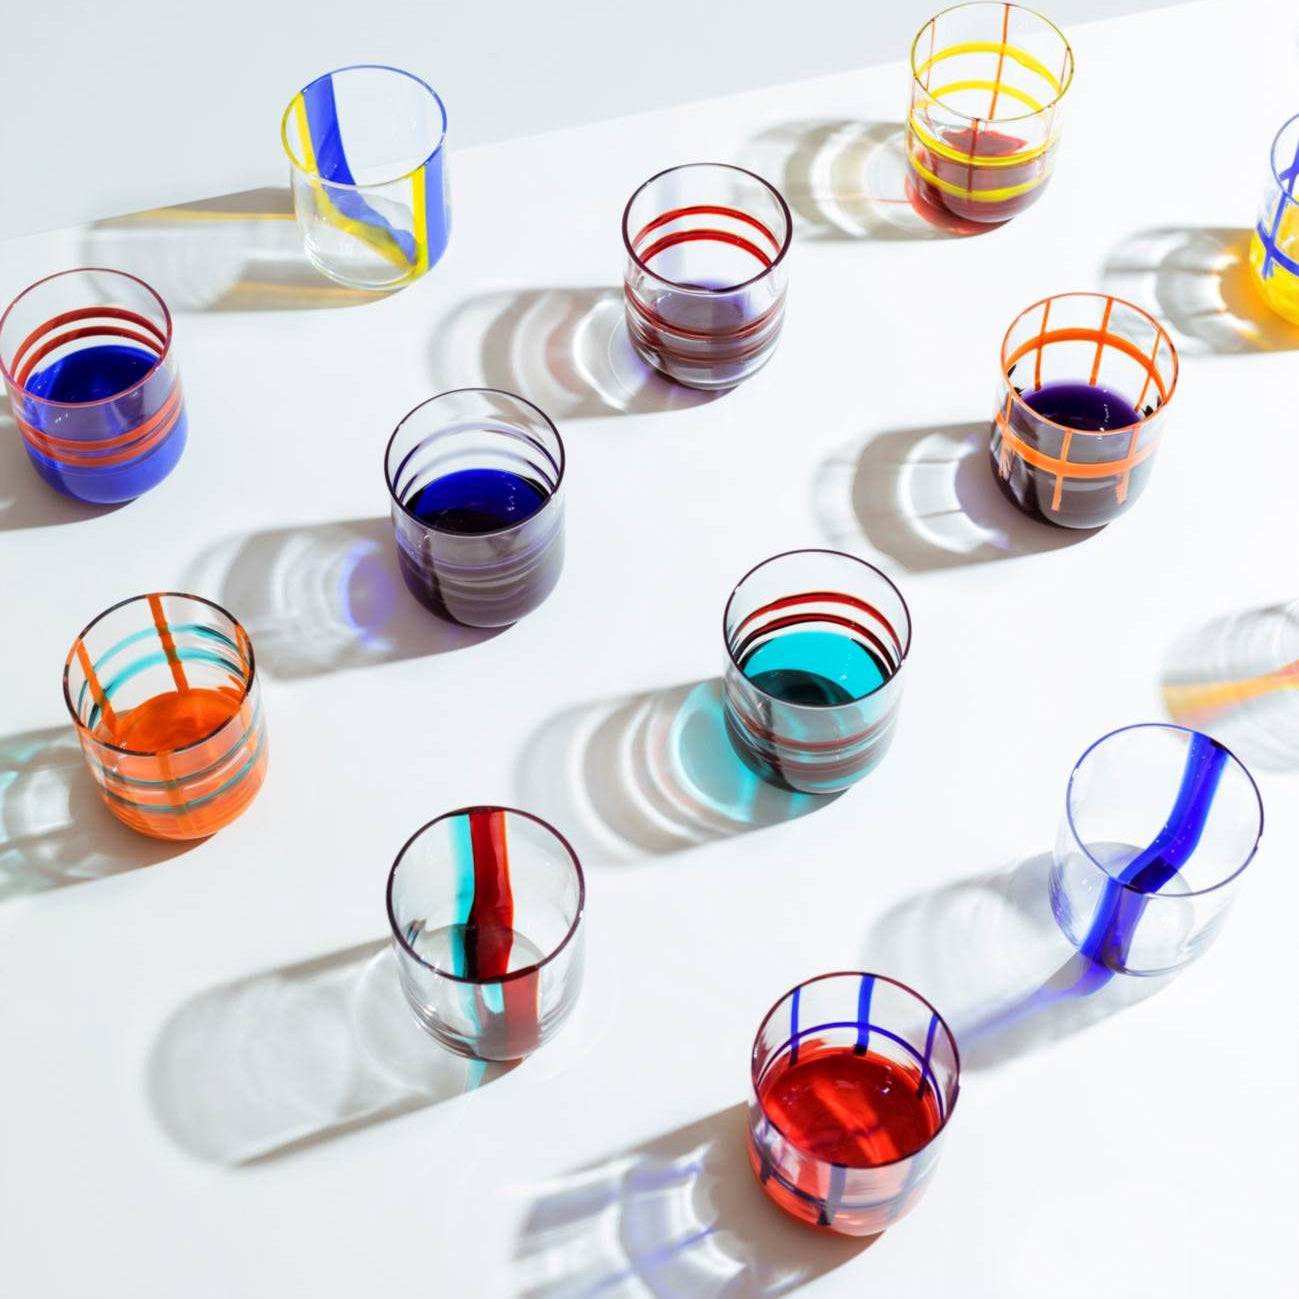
x,y
87,361
485,905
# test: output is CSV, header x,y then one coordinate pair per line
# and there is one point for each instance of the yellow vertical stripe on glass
x,y
380,240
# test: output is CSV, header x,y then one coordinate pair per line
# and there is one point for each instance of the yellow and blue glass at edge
x,y
1274,246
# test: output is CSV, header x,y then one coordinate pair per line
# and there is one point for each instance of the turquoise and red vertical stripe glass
x,y
853,1081
486,906
87,362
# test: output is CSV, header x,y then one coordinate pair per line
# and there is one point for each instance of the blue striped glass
x,y
1159,825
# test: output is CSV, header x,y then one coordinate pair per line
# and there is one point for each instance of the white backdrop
x,y
206,1086
109,108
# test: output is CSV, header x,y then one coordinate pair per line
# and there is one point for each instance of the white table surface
x,y
206,1086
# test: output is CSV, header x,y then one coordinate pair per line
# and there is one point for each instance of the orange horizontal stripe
x,y
1098,336
83,313
1071,468
134,443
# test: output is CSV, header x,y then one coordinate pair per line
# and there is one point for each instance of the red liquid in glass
x,y
972,179
845,1108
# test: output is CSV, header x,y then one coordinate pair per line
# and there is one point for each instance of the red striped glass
x,y
705,279
87,361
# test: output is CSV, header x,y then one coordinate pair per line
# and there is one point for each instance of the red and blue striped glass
x,y
853,1080
87,362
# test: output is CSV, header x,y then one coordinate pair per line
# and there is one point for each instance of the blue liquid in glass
x,y
474,501
487,583
98,374
814,667
92,374
1085,406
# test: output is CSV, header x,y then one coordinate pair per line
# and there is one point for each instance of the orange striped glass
x,y
164,695
1085,383
982,134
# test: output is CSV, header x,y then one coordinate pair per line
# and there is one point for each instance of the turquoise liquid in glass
x,y
818,668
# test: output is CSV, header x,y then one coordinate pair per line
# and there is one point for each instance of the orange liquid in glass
x,y
171,721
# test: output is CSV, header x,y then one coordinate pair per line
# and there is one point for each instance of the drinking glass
x,y
367,148
1159,825
1084,385
853,1079
986,84
474,479
815,643
485,905
1274,247
86,358
163,692
705,280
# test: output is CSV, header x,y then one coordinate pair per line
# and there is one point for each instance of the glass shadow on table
x,y
1197,282
567,350
233,252
1237,678
291,1058
54,827
324,597
26,500
928,499
846,179
651,773
988,952
679,1216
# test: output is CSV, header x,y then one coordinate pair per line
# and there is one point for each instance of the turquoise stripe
x,y
254,724
462,856
154,661
154,808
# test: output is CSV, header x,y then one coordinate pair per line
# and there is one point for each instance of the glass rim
x,y
1233,874
1288,197
1160,332
83,729
695,288
838,554
995,4
455,392
12,382
370,184
879,978
510,975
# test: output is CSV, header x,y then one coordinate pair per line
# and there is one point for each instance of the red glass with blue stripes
x,y
486,906
705,280
1159,825
816,642
854,1078
87,362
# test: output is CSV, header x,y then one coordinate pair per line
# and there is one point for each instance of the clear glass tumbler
x,y
1159,825
854,1077
986,84
163,692
367,146
1274,247
815,643
475,477
86,358
705,280
486,905
1084,387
